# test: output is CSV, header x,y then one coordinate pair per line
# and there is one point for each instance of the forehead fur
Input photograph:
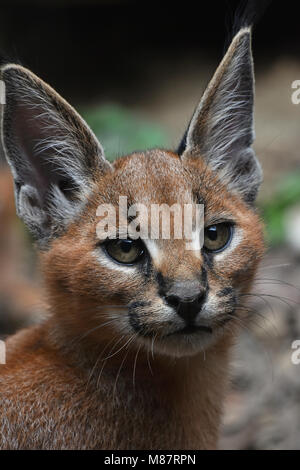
x,y
155,176
159,176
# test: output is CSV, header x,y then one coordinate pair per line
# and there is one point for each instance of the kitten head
x,y
143,290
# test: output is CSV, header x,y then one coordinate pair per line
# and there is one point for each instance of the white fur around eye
x,y
195,244
108,263
154,251
237,237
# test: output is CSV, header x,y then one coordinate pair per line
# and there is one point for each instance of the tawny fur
x,y
82,379
51,393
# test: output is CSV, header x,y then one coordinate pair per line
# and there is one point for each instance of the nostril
x,y
173,300
190,303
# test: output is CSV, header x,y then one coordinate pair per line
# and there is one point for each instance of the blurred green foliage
x,y
286,195
122,132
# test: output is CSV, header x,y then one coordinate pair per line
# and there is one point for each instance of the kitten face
x,y
136,300
152,291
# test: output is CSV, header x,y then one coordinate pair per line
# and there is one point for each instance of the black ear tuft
x,y
3,59
247,14
6,59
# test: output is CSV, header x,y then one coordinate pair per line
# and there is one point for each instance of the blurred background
x,y
135,71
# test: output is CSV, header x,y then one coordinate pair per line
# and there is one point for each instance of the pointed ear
x,y
221,130
54,156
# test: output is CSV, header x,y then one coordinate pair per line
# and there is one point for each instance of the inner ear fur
x,y
221,130
53,154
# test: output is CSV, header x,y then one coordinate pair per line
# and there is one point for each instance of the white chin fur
x,y
184,345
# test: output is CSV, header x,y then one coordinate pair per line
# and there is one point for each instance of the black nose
x,y
187,307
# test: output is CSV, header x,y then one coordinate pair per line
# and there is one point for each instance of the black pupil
x,y
125,245
212,233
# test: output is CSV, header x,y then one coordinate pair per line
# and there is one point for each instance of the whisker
x,y
148,361
134,365
105,361
152,345
255,323
98,359
116,352
79,338
285,300
275,281
274,266
241,323
123,361
266,352
254,315
265,301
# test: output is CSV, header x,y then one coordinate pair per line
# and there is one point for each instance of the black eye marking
x,y
204,276
229,305
208,259
134,320
224,292
198,198
133,315
147,267
162,283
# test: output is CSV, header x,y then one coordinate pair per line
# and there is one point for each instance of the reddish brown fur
x,y
79,382
50,392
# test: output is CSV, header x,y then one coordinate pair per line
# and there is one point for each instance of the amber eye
x,y
217,237
125,251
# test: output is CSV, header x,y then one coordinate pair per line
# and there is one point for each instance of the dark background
x,y
89,47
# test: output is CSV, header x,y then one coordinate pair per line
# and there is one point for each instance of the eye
x,y
217,237
125,251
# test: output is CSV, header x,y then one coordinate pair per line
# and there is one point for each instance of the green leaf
x,y
122,132
286,196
